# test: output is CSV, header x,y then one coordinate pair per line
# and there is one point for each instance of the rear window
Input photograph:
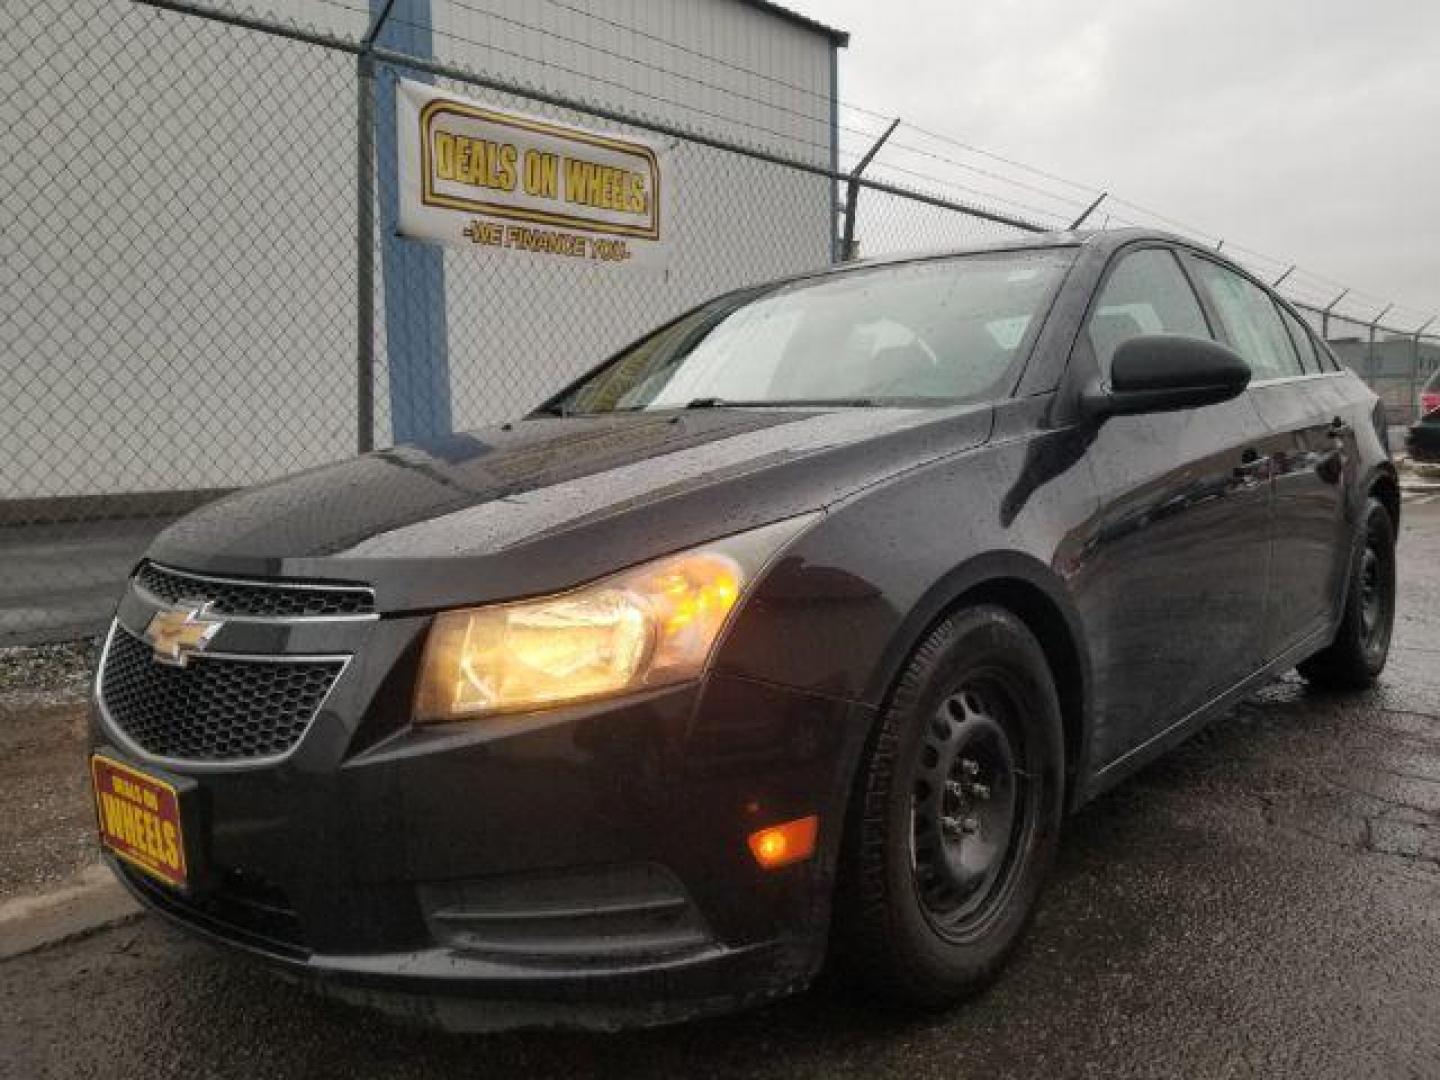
x,y
1252,322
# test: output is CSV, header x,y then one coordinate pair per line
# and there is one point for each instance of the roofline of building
x,y
839,38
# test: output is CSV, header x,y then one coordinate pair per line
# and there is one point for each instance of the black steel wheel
x,y
1376,601
1362,642
957,815
970,806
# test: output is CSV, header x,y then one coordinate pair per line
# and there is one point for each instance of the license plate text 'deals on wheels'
x,y
139,819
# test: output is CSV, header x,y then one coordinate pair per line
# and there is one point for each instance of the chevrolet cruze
x,y
786,636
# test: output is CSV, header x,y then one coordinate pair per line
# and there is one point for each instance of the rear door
x,y
1309,442
1175,586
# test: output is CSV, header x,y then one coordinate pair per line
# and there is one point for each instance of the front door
x,y
1174,589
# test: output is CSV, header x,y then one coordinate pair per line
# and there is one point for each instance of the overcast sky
x,y
1305,129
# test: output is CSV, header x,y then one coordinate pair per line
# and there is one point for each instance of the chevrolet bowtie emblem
x,y
177,632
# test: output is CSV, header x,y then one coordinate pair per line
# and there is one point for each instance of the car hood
x,y
547,503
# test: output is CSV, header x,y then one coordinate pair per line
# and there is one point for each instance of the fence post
x,y
1325,315
1088,211
1415,367
365,235
1370,345
836,252
1413,405
852,192
1370,354
364,253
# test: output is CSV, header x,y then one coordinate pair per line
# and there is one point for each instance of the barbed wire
x,y
625,58
953,186
731,121
1303,283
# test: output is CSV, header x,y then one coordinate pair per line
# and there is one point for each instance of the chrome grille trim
x,y
365,594
115,732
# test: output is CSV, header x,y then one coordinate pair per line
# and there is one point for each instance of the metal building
x,y
180,197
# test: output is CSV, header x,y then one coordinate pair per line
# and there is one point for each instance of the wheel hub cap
x,y
1371,594
965,805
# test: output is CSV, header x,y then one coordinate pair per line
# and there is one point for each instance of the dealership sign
x,y
502,181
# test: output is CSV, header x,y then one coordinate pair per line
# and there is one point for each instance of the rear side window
x,y
1304,343
1146,293
1251,322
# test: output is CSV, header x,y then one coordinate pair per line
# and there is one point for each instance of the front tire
x,y
1362,644
957,815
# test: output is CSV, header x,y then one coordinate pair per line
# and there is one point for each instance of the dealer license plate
x,y
139,818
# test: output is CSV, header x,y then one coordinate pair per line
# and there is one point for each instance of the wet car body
x,y
587,863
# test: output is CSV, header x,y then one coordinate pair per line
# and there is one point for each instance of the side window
x,y
1304,343
1147,293
1251,321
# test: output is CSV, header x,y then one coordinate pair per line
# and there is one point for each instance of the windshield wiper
x,y
780,403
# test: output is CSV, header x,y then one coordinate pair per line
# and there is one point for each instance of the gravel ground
x,y
1265,901
47,831
60,671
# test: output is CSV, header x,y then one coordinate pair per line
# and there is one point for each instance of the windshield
x,y
932,331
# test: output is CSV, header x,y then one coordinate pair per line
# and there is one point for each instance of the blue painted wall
x,y
413,273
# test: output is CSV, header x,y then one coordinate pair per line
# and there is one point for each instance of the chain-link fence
x,y
204,287
1387,346
177,302
203,283
1396,364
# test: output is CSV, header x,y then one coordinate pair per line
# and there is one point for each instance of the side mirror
x,y
1166,372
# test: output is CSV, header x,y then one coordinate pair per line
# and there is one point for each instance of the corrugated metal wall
x,y
179,245
718,65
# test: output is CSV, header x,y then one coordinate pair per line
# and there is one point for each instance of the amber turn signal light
x,y
781,845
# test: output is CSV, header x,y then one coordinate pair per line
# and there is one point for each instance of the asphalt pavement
x,y
60,581
1265,901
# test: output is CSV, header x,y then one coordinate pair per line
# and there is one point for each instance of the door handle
x,y
1339,429
1252,468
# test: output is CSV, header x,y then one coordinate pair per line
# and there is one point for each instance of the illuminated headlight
x,y
648,626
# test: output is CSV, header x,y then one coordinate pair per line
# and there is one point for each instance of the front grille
x,y
256,599
214,709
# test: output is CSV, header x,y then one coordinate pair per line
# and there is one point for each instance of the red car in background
x,y
1424,439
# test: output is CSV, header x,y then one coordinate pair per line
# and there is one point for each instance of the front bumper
x,y
584,866
461,992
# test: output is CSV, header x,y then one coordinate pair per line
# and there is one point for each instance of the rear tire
x,y
1362,644
957,815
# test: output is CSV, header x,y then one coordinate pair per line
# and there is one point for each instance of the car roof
x,y
1099,242
1101,239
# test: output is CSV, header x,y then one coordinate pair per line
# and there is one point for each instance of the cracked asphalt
x,y
1265,901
